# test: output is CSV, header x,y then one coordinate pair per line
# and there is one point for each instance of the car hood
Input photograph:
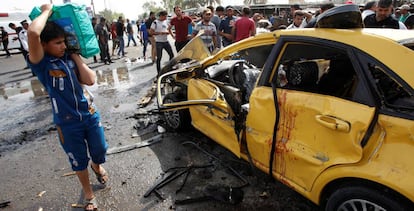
x,y
194,52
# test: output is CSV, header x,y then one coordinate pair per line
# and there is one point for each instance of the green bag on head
x,y
74,19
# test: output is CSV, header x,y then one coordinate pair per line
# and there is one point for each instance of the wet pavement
x,y
35,173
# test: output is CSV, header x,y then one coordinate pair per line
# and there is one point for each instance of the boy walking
x,y
77,120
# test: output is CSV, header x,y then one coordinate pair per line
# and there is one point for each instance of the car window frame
x,y
382,107
362,93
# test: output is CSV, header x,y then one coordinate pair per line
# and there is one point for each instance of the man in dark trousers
x,y
120,28
5,41
130,32
180,23
102,32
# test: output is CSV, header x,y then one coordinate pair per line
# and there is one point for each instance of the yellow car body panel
x,y
311,125
301,154
386,160
215,120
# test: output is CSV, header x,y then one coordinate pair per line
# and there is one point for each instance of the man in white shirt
x,y
298,20
24,41
159,29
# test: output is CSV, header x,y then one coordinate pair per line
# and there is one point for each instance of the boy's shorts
x,y
80,137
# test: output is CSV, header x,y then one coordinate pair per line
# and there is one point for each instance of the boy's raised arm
x,y
36,52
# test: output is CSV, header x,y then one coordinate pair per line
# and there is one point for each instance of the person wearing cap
x,y
23,40
226,25
405,12
383,18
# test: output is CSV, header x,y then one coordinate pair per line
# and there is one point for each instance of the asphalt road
x,y
35,173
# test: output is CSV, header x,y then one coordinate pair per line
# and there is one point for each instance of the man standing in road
x,y
244,27
18,29
77,120
102,32
130,32
383,18
210,33
5,41
180,23
24,42
144,38
151,38
159,29
120,28
226,25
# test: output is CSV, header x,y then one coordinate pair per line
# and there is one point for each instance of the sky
x,y
130,8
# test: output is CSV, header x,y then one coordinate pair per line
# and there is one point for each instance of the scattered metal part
x,y
144,143
170,175
4,204
77,205
219,193
40,194
183,183
159,181
158,194
193,200
69,174
237,174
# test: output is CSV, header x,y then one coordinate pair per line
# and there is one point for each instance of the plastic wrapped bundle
x,y
75,21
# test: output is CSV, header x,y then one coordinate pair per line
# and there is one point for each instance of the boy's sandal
x,y
101,177
91,204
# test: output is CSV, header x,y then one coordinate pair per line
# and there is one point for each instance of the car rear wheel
x,y
176,119
362,198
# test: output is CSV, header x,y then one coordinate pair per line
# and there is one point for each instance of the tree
x,y
187,4
109,15
151,6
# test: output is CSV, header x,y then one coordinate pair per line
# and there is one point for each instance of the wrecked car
x,y
328,112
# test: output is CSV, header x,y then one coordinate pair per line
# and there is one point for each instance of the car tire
x,y
177,120
362,198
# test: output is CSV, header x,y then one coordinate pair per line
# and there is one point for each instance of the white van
x,y
16,18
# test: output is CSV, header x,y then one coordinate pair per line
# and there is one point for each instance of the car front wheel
x,y
362,198
176,119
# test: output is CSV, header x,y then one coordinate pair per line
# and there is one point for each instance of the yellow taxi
x,y
328,112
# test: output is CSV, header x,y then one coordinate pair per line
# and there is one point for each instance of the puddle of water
x,y
22,90
28,89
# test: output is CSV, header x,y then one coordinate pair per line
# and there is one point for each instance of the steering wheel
x,y
236,74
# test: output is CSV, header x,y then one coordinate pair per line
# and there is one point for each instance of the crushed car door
x,y
216,119
320,125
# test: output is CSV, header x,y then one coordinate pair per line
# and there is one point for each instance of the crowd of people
x,y
222,26
76,117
